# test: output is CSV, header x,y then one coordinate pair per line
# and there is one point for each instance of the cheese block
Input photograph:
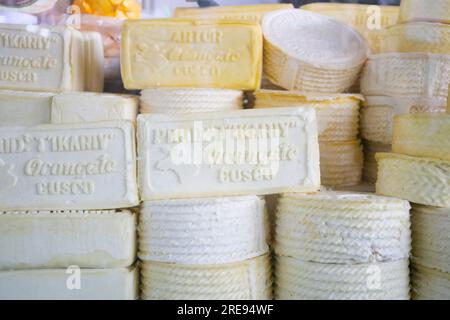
x,y
95,61
203,231
45,239
20,108
370,169
69,284
342,228
79,107
431,237
423,75
248,13
302,280
429,284
27,6
40,58
422,135
179,100
416,37
310,52
378,112
337,114
423,10
341,163
240,152
247,280
60,167
367,19
191,53
419,180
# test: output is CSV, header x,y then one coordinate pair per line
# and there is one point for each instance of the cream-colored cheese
x,y
425,10
364,187
94,63
370,169
429,284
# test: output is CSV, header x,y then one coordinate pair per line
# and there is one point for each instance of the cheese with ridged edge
x,y
95,61
425,10
429,284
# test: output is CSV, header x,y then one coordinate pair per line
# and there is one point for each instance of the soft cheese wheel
x,y
370,170
425,10
342,228
407,74
341,163
56,284
419,180
94,61
302,280
378,112
180,100
337,114
247,280
203,231
43,239
431,236
310,52
422,135
429,284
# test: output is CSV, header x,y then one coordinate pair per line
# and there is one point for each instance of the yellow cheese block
x,y
248,13
418,180
425,10
191,53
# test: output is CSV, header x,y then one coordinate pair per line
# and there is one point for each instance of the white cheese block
x,y
431,236
41,58
423,75
301,280
247,280
59,167
311,52
429,284
342,228
31,240
425,10
179,100
378,112
419,180
370,170
95,61
228,153
203,231
69,284
79,107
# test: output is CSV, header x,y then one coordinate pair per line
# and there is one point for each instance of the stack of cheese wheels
x,y
341,155
419,171
211,248
339,245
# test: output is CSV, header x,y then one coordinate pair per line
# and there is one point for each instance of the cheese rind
x,y
429,284
420,10
61,284
419,180
69,238
61,167
191,53
213,154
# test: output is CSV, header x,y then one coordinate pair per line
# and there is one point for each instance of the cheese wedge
x,y
370,170
342,228
70,284
301,280
39,58
95,62
422,135
423,75
60,167
191,53
337,114
247,13
79,107
423,10
31,240
429,284
310,52
419,180
163,100
431,237
240,152
248,280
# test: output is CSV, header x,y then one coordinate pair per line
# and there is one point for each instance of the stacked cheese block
x,y
409,72
419,171
342,246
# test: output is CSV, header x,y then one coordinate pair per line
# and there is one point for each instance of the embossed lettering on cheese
x,y
236,152
68,167
189,53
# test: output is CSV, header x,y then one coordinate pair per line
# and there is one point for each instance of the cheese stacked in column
x,y
342,246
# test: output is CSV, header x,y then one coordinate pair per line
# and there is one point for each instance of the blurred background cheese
x,y
420,10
